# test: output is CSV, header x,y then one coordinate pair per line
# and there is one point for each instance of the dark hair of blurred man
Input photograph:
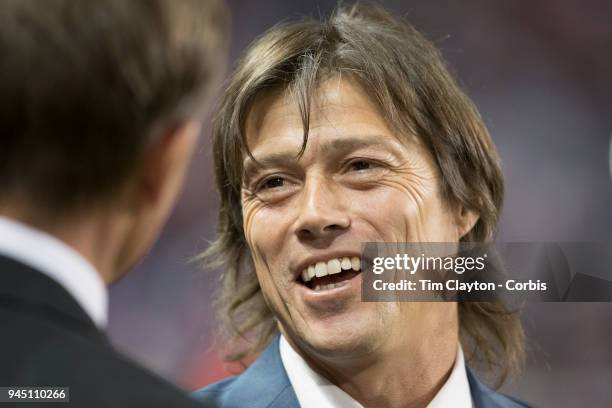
x,y
101,105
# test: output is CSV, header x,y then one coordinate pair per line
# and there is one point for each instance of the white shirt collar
x,y
315,391
60,262
456,390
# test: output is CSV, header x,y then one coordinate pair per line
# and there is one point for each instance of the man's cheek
x,y
257,236
249,213
405,220
420,211
267,285
274,294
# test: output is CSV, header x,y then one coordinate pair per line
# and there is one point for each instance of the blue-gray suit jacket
x,y
265,385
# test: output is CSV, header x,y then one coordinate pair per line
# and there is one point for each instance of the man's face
x,y
356,182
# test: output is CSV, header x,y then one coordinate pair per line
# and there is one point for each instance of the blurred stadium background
x,y
540,73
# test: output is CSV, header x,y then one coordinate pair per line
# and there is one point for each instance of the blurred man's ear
x,y
165,162
466,219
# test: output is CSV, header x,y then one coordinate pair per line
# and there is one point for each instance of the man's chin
x,y
341,343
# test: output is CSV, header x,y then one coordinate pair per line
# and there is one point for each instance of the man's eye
x,y
361,165
273,182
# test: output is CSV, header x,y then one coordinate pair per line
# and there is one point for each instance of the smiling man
x,y
332,134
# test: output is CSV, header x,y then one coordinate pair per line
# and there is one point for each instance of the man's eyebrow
x,y
275,159
290,158
363,141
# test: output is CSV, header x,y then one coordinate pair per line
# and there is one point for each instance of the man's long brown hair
x,y
406,77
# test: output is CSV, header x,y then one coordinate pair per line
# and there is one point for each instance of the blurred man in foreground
x,y
100,110
332,134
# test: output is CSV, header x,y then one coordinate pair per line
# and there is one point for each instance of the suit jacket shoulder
x,y
48,340
485,397
265,385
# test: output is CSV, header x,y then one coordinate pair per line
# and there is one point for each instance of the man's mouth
x,y
329,275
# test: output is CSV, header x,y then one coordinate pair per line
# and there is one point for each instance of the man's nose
x,y
322,211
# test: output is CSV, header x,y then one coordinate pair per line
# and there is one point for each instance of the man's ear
x,y
466,219
165,161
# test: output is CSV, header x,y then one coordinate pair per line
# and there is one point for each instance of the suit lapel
x,y
265,383
484,397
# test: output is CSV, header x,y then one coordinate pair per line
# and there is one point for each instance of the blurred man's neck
x,y
96,235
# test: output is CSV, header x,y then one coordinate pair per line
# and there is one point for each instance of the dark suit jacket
x,y
265,385
47,339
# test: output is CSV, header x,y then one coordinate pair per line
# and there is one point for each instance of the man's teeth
x,y
329,286
331,267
